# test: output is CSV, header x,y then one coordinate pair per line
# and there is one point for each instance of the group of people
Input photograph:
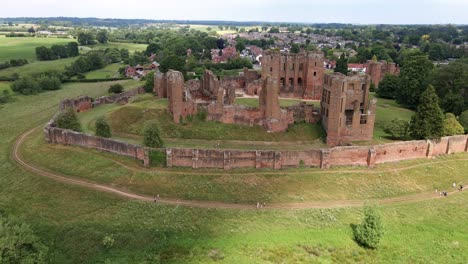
x,y
260,205
454,185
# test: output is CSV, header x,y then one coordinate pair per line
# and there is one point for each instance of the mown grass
x,y
253,102
110,71
38,67
25,48
72,220
388,110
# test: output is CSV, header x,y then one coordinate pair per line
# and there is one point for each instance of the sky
x,y
308,11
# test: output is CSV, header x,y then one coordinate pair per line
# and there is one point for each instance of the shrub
x,y
102,128
26,85
19,244
108,241
398,129
116,88
149,82
452,126
50,83
5,97
370,231
151,137
463,118
67,119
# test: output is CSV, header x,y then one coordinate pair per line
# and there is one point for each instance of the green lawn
x,y
72,221
38,67
25,48
110,71
387,110
253,102
5,86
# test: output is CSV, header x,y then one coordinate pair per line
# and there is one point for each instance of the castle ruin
x,y
377,70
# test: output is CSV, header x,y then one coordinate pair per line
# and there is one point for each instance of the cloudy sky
x,y
326,11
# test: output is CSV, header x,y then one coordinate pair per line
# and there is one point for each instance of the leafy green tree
x,y
102,128
452,126
50,83
153,48
72,49
86,38
342,64
240,46
388,86
67,119
151,137
436,52
26,85
149,82
19,244
398,129
115,88
113,55
274,30
44,53
463,118
370,232
428,122
414,78
295,48
102,36
172,62
59,51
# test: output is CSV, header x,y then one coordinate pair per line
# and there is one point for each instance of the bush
x,y
116,88
398,129
108,241
452,126
370,231
149,83
26,85
19,244
388,86
67,119
5,97
463,118
102,128
151,136
50,83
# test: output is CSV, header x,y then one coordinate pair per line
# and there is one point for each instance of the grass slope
x,y
72,221
25,48
38,67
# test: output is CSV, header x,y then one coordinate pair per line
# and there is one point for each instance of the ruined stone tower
x,y
347,113
377,70
299,75
181,104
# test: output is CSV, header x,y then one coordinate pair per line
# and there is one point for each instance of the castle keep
x,y
347,113
377,70
299,75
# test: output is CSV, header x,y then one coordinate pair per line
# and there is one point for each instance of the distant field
x,y
38,66
25,48
110,71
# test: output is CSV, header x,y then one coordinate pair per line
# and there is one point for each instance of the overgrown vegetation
x,y
102,127
116,88
151,137
67,119
370,232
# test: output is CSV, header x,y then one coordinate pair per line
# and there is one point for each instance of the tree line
x,y
57,51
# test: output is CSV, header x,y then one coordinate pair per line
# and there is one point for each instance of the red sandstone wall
x,y
401,151
68,137
348,156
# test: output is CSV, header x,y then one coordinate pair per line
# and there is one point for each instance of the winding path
x,y
15,155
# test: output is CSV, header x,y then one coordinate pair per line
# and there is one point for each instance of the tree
x,y
151,136
72,49
59,51
172,62
295,48
44,53
374,58
86,38
19,244
50,83
240,46
388,86
370,231
342,64
464,120
428,122
452,126
102,36
116,88
149,82
102,128
398,129
152,48
414,78
67,119
31,30
274,30
26,85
